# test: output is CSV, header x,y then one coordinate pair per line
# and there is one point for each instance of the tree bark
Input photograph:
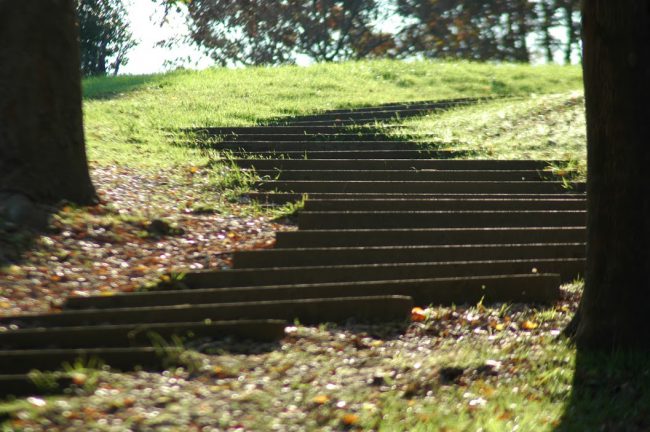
x,y
42,150
614,310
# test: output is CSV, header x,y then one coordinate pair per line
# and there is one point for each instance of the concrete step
x,y
427,236
309,220
378,113
360,136
393,164
407,175
115,336
25,361
311,146
410,187
273,198
308,311
283,129
567,268
305,257
536,288
369,119
313,205
429,104
354,154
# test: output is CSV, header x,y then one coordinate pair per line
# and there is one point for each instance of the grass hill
x,y
465,368
131,120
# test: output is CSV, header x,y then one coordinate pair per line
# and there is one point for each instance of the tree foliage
x,y
105,36
253,32
487,30
261,32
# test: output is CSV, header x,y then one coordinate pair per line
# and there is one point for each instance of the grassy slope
x,y
130,122
549,127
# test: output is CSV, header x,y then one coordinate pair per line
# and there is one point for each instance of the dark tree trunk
x,y
616,302
42,151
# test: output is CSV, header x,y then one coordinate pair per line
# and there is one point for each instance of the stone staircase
x,y
387,224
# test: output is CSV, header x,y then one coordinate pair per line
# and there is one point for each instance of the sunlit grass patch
x,y
549,127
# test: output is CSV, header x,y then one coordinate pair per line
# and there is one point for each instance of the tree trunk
x,y
42,151
614,309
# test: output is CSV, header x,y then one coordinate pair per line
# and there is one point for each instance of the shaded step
x,y
24,385
440,204
357,121
272,198
276,129
440,219
300,257
313,146
393,164
407,175
308,311
356,154
24,361
428,236
106,336
568,268
376,113
365,136
427,104
518,288
360,116
409,187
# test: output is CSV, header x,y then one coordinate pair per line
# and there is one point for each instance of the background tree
x,y
571,15
256,32
547,19
488,30
42,152
249,32
614,309
105,36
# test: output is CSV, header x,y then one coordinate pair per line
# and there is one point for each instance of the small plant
x,y
167,282
173,353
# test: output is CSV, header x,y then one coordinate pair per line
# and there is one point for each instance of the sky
x,y
146,57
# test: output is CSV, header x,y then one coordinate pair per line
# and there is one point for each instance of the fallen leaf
x,y
418,314
529,325
320,399
350,419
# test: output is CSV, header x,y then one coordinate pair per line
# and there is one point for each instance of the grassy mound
x,y
131,120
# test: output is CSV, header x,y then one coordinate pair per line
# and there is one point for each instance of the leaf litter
x,y
460,359
147,224
333,378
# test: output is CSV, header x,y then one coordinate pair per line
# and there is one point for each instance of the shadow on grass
x,y
611,392
353,124
105,88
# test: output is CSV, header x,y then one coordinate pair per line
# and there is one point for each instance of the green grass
x,y
548,127
133,121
